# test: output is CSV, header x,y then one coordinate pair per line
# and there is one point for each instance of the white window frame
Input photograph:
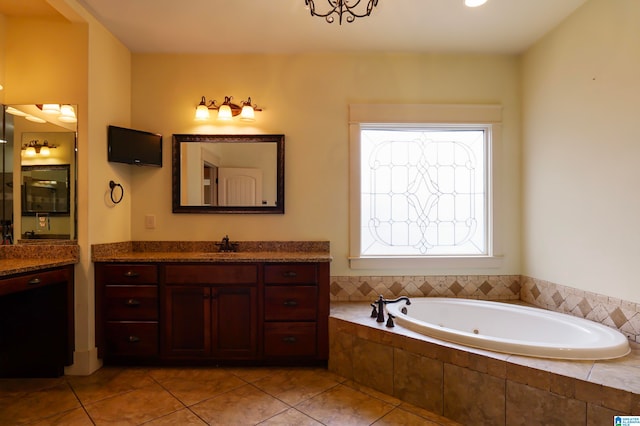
x,y
424,115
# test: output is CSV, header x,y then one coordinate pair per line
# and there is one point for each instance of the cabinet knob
x,y
34,281
131,274
289,339
290,274
133,339
132,302
290,303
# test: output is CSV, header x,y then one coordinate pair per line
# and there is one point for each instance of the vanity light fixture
x,y
65,112
34,148
226,111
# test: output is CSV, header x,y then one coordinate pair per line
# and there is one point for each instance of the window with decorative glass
x,y
421,190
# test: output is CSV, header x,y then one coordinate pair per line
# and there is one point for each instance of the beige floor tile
x,y
295,386
75,417
108,382
372,392
245,405
135,407
195,385
291,417
342,405
180,418
252,374
21,407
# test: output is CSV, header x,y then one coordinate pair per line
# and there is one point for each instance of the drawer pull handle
x,y
132,302
133,339
290,303
289,339
290,274
131,274
34,281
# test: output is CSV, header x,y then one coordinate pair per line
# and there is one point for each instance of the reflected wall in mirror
x,y
228,173
37,139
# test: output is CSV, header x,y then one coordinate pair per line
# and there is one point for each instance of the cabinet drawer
x,y
211,274
290,303
34,280
135,339
129,273
131,302
290,339
290,273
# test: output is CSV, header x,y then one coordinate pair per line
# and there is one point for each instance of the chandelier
x,y
350,9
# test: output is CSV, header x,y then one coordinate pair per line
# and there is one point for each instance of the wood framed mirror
x,y
228,173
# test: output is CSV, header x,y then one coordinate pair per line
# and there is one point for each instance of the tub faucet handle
x,y
390,323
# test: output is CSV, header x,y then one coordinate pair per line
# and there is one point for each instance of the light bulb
x,y
51,108
224,112
247,114
67,114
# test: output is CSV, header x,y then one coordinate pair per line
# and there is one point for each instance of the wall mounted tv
x,y
131,146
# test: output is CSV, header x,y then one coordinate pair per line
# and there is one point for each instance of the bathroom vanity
x,y
36,310
171,303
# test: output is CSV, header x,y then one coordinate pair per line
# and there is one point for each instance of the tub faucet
x,y
378,308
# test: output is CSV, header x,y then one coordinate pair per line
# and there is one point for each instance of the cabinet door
x,y
187,322
234,322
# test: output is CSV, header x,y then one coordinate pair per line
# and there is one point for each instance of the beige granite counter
x,y
16,259
204,251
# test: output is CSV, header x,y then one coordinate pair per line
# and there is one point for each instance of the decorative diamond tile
x,y
618,317
557,298
535,292
485,287
335,288
456,288
396,288
584,307
515,287
426,288
365,288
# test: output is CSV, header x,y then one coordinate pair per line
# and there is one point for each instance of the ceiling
x,y
285,26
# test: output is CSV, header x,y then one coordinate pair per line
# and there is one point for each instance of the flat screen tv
x,y
131,146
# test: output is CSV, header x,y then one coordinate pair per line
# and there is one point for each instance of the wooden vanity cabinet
x,y
210,311
37,323
296,310
249,312
127,300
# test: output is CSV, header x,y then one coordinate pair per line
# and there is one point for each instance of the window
x,y
421,190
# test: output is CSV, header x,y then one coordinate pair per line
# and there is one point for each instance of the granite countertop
x,y
199,251
17,259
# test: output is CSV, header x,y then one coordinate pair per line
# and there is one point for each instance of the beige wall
x,y
306,97
75,60
581,88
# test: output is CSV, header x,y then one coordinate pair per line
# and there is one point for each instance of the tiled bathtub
x,y
479,387
610,311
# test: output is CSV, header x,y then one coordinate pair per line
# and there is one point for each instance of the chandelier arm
x,y
342,8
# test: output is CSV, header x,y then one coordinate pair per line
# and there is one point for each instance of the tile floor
x,y
201,396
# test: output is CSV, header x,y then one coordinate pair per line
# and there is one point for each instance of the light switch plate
x,y
150,221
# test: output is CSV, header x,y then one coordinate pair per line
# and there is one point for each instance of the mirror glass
x,y
40,158
228,173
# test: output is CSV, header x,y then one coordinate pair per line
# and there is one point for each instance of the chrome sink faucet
x,y
226,245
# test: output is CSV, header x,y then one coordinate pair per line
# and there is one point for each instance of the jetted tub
x,y
508,328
